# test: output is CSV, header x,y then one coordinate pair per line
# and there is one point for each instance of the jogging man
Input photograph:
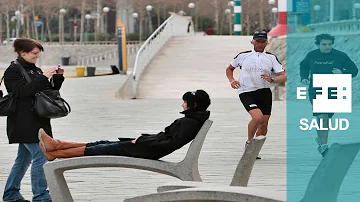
x,y
253,84
324,60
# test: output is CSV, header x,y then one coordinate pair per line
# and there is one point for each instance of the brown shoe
x,y
41,136
48,156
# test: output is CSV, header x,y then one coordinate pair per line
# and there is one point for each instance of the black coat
x,y
23,126
176,135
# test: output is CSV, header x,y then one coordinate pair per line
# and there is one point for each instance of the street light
x,y
228,12
191,6
274,11
136,16
106,10
61,30
149,9
17,16
317,9
87,17
356,8
231,5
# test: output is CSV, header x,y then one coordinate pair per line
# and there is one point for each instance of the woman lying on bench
x,y
155,146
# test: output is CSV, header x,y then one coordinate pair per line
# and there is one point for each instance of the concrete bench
x,y
187,169
225,194
330,171
241,174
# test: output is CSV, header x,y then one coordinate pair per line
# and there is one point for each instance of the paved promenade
x,y
98,114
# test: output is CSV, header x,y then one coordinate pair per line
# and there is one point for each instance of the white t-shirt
x,y
253,64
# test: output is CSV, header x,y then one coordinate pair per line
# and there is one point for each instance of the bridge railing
x,y
95,58
352,25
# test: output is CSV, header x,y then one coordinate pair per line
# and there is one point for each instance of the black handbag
x,y
7,103
48,103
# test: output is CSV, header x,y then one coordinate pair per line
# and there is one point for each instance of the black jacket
x,y
176,135
316,62
23,126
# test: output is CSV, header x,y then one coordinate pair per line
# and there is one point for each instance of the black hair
x,y
26,45
197,100
320,37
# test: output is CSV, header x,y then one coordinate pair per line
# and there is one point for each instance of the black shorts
x,y
311,97
259,99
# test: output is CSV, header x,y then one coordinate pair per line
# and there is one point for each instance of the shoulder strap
x,y
23,72
1,80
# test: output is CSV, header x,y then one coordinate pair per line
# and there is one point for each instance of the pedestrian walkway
x,y
98,114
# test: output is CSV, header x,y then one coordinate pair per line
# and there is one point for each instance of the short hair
x,y
197,100
26,45
320,37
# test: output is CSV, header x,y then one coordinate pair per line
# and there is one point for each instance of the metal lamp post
x,y
87,17
149,9
356,8
231,5
61,31
18,16
317,9
191,6
272,6
106,10
136,16
228,13
274,11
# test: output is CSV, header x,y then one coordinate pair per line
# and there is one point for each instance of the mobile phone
x,y
57,69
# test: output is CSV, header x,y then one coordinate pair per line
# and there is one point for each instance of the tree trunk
x,y
221,26
7,23
140,29
99,18
165,16
42,32
158,15
216,2
248,24
28,26
48,27
128,15
197,16
1,19
35,27
248,27
261,15
32,30
117,16
83,3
